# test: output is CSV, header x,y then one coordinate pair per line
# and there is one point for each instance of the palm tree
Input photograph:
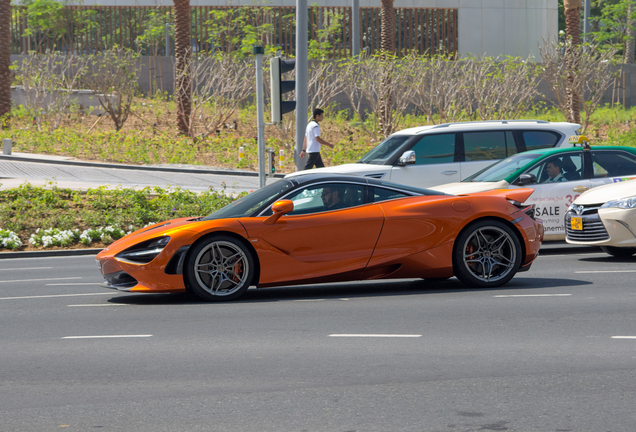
x,y
183,83
5,62
631,34
387,42
573,38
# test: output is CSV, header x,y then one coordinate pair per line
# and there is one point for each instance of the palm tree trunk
x,y
387,42
573,38
631,34
5,62
183,83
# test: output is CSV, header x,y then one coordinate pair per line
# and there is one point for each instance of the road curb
x,y
134,167
51,253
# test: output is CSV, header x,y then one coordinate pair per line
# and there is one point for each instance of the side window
x,y
380,194
327,197
613,163
484,145
540,139
562,168
433,149
511,147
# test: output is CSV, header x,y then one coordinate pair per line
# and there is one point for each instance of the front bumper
x,y
603,227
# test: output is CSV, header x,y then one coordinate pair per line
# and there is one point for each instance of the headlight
x,y
144,252
624,203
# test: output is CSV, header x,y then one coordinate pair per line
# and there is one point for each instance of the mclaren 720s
x,y
330,228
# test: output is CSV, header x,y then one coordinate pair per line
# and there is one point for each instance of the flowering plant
x,y
9,239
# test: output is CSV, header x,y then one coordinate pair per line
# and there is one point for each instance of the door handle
x,y
449,172
580,189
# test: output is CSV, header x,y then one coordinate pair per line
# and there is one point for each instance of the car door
x,y
553,199
611,166
480,149
313,242
435,162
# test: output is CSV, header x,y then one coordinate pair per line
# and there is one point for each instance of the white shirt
x,y
312,132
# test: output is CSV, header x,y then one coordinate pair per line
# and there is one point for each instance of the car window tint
x,y
327,197
381,194
385,150
511,147
433,149
570,167
540,139
484,145
613,163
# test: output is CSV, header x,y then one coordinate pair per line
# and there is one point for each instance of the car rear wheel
x,y
486,254
618,252
219,269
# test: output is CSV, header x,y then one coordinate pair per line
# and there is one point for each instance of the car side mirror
x,y
407,158
279,208
526,179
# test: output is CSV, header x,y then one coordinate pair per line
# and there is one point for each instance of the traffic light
x,y
277,68
270,162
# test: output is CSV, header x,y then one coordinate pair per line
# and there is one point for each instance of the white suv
x,y
432,155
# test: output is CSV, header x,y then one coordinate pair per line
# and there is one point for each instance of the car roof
x,y
547,152
556,150
317,177
484,125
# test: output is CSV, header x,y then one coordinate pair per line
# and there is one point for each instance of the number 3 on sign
x,y
570,199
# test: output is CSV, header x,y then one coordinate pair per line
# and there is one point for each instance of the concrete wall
x,y
492,27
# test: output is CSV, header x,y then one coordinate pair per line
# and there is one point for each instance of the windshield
x,y
247,205
502,169
383,151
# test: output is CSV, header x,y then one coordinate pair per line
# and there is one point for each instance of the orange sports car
x,y
327,228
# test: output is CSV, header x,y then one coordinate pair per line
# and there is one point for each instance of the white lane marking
x,y
54,295
28,268
107,336
98,304
37,280
320,300
534,295
73,283
376,335
623,337
607,271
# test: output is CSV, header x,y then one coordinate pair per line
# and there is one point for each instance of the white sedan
x,y
605,216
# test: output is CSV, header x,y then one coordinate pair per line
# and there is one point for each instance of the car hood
x,y
461,188
147,233
353,168
605,193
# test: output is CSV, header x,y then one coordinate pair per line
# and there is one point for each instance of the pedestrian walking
x,y
313,141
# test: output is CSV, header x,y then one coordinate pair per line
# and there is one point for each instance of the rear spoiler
x,y
519,195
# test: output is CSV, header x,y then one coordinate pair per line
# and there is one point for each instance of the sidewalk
x,y
67,172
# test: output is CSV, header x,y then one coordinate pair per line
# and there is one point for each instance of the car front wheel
x,y
219,269
486,254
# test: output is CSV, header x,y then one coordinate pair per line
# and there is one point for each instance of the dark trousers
x,y
314,159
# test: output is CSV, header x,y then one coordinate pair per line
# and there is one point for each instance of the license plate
x,y
576,223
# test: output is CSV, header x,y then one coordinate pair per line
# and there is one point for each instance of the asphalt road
x,y
554,350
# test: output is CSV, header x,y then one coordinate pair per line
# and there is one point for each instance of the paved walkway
x,y
67,172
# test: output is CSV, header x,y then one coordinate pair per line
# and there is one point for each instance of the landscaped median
x,y
35,218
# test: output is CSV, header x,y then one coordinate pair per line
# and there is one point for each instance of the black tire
x,y
618,251
486,254
221,268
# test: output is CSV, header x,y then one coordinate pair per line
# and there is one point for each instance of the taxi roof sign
x,y
578,139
